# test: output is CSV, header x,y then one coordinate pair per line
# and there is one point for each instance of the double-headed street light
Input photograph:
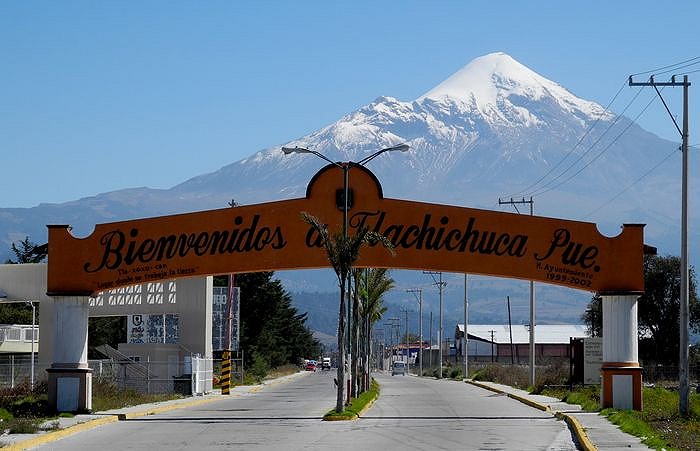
x,y
346,169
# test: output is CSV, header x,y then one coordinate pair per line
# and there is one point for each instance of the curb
x,y
572,422
354,416
56,435
579,431
161,409
52,436
523,400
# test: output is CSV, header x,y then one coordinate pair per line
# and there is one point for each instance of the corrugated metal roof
x,y
544,334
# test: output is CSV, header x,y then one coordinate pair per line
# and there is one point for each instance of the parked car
x,y
398,368
311,365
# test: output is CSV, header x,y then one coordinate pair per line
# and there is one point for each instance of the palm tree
x,y
355,334
343,250
375,282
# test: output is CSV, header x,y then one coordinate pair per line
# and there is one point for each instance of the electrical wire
x,y
697,58
545,188
673,152
688,73
676,68
571,151
630,124
548,185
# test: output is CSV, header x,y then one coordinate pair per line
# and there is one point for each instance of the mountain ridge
x,y
459,155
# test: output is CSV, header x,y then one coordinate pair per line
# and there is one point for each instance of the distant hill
x,y
493,129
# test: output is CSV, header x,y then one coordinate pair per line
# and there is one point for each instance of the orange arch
x,y
273,236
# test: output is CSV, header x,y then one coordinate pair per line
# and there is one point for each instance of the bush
x,y
512,375
106,396
31,407
259,368
456,373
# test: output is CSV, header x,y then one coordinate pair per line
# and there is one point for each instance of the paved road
x,y
411,413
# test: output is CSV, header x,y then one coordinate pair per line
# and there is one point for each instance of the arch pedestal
x,y
621,375
69,377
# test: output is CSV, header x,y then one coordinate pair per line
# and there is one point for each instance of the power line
x,y
530,189
690,72
571,151
666,67
632,184
605,149
676,68
591,147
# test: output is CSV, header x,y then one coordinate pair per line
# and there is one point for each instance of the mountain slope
x,y
488,131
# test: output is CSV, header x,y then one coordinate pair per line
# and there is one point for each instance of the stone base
x,y
621,386
70,389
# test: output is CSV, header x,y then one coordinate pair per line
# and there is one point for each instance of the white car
x,y
398,368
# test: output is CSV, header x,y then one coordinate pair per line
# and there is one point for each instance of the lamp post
x,y
31,377
4,297
440,284
420,326
345,167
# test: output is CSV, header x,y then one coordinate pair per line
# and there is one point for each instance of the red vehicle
x,y
310,365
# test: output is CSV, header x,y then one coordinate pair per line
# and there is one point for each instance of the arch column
x,y
69,377
621,374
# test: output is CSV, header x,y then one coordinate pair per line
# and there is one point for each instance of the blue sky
x,y
99,96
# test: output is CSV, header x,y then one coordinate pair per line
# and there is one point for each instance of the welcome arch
x,y
273,236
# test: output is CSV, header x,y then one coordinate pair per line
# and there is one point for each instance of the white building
x,y
498,342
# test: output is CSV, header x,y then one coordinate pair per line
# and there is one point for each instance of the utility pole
x,y
465,351
408,346
510,328
393,325
431,341
514,203
683,367
492,332
440,284
419,295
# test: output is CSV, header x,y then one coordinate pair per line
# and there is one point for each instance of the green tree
x,y
105,330
593,317
28,252
25,252
272,332
659,308
374,283
342,251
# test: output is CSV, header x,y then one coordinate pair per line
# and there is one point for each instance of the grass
x,y
107,396
659,425
357,405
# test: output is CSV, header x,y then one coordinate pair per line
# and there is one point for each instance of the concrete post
x,y
69,377
621,385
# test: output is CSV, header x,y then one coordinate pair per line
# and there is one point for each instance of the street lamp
x,y
31,304
345,167
4,297
420,326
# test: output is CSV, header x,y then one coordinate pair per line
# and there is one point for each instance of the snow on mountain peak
x,y
488,81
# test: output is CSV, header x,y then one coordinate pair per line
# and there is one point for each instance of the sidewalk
x,y
593,431
63,427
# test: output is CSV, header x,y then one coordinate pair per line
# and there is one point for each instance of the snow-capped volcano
x,y
490,81
487,131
